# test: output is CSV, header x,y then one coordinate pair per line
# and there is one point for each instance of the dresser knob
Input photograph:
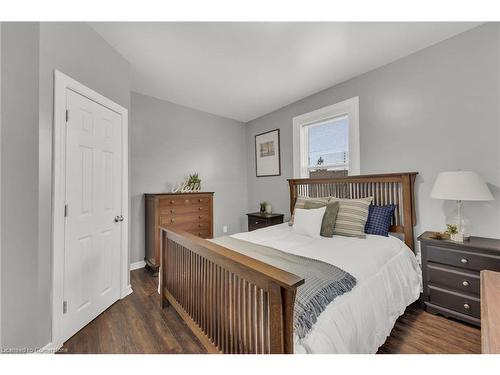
x,y
466,306
172,220
199,217
186,201
200,200
171,202
171,211
199,225
464,260
465,283
199,208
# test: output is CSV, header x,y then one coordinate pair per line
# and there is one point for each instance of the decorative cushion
x,y
308,222
352,216
329,218
379,219
301,201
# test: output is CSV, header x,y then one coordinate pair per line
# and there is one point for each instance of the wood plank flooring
x,y
137,324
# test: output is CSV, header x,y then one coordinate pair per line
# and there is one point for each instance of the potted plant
x,y
263,207
194,182
452,230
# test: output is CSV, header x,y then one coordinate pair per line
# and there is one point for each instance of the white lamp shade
x,y
461,186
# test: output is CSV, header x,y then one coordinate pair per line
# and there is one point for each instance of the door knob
x,y
118,218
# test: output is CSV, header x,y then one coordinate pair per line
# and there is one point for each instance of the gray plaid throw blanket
x,y
323,282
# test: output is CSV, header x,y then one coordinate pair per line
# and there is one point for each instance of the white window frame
x,y
349,108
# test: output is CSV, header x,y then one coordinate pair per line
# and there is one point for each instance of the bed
x,y
235,303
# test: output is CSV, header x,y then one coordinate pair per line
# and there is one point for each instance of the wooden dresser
x,y
192,212
451,275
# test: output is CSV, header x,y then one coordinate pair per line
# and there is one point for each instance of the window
x,y
326,141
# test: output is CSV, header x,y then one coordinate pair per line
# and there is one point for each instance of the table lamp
x,y
461,186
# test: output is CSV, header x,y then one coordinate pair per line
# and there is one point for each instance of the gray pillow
x,y
329,218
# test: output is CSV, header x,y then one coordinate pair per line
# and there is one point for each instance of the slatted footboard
x,y
231,302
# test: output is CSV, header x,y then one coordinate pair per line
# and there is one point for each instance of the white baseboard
x,y
137,265
128,290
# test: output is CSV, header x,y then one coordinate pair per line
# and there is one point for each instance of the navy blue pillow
x,y
379,219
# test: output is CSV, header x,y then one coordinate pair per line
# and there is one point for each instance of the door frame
x,y
63,82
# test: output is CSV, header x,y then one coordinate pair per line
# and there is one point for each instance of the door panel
x,y
94,196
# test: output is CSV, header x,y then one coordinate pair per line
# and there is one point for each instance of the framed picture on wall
x,y
267,154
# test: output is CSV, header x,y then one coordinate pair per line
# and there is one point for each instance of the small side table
x,y
258,220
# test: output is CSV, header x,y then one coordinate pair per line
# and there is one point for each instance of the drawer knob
x,y
172,202
199,225
200,200
199,208
171,211
186,201
464,260
200,217
465,283
172,220
466,306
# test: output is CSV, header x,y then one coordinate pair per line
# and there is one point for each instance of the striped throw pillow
x,y
352,216
301,203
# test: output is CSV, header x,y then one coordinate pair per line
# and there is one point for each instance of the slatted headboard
x,y
393,188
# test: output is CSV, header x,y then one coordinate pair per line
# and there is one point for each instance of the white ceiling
x,y
245,70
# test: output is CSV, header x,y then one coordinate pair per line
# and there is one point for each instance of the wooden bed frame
x,y
237,304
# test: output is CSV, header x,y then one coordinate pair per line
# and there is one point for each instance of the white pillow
x,y
308,222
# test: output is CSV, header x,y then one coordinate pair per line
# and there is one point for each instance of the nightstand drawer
x,y
463,259
256,224
259,220
455,301
457,279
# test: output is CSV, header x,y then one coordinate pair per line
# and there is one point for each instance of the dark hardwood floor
x,y
137,324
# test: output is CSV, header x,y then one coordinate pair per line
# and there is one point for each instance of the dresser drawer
x,y
462,303
166,220
202,233
185,210
185,200
457,279
462,259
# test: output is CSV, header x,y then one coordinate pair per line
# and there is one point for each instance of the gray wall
x,y
168,142
435,110
19,177
30,54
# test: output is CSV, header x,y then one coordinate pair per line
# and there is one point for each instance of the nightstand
x,y
258,220
451,275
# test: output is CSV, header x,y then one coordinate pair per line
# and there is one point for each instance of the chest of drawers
x,y
451,275
191,212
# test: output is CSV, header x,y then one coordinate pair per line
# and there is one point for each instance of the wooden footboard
x,y
232,303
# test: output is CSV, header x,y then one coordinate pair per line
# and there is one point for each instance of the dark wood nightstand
x,y
257,220
451,274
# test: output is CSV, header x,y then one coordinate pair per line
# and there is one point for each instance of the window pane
x,y
329,144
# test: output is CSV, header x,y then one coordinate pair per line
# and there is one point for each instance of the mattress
x,y
388,280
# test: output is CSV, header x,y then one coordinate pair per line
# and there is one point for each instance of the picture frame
x,y
268,154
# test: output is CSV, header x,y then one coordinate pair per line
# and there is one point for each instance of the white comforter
x,y
388,276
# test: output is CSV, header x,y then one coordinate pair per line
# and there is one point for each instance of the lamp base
x,y
457,237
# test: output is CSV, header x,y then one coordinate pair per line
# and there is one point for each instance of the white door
x,y
93,222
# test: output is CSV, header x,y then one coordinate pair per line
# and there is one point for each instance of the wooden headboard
x,y
393,188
